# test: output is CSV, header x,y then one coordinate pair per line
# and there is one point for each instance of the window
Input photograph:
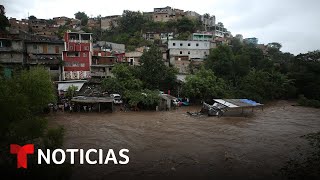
x,y
55,68
84,54
86,48
181,44
71,48
188,44
57,50
197,44
72,54
174,44
82,64
35,46
188,52
156,16
205,53
180,52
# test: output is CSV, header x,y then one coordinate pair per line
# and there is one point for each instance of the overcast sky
x,y
293,23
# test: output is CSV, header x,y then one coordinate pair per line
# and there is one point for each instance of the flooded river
x,y
174,144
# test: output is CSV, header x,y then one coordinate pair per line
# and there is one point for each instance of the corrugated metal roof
x,y
234,103
64,86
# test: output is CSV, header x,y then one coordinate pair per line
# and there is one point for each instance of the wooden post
x,y
112,106
99,107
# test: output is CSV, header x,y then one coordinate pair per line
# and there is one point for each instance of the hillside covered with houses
x,y
167,49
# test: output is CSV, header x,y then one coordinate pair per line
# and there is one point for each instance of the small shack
x,y
220,106
98,104
64,85
166,102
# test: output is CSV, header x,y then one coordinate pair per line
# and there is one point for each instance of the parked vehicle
x,y
116,98
183,101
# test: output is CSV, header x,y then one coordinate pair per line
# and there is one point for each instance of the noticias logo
x,y
84,156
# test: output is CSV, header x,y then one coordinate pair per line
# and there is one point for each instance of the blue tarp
x,y
251,102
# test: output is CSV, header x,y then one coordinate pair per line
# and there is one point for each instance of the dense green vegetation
x,y
22,101
83,17
4,22
139,84
248,72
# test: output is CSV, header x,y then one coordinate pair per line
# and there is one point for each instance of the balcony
x,y
44,59
5,49
98,74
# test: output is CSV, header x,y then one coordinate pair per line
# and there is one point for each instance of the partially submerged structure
x,y
167,102
93,103
220,106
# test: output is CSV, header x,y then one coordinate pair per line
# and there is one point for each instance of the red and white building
x,y
77,55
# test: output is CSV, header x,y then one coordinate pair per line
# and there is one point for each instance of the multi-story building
x,y
22,24
192,15
151,36
109,22
166,14
102,63
93,23
165,37
61,21
181,53
208,21
45,52
219,30
148,15
133,58
252,40
77,55
38,25
12,52
110,46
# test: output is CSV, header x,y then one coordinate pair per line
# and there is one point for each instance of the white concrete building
x,y
181,53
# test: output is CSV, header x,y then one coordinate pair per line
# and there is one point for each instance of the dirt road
x,y
174,144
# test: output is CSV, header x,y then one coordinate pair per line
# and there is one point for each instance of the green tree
x,y
4,22
236,46
185,24
221,62
305,70
37,87
71,91
147,98
275,45
124,79
204,85
260,86
83,17
32,17
113,85
153,70
184,36
21,100
131,22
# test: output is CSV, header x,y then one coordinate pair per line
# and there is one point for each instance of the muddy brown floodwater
x,y
174,144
